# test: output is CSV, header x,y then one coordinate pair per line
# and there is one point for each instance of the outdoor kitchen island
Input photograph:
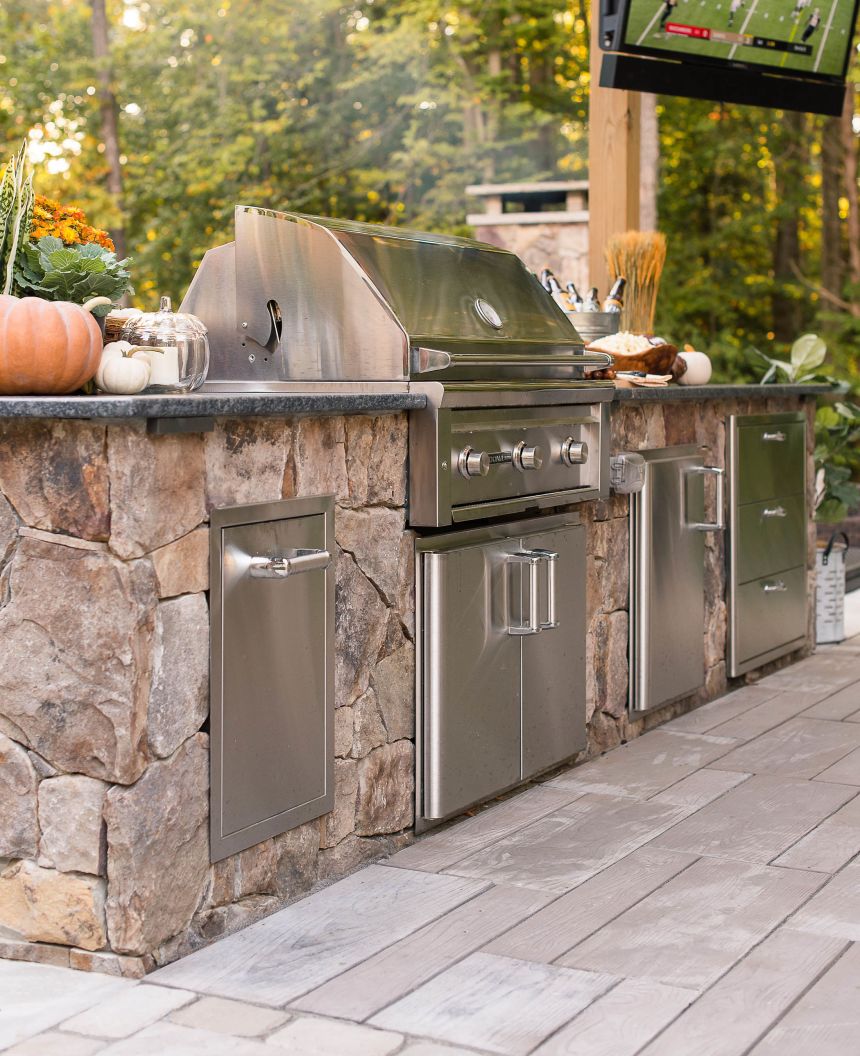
x,y
104,625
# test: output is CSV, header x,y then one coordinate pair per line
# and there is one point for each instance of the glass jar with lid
x,y
175,345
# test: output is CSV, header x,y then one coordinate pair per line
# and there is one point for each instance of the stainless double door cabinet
x,y
501,659
667,559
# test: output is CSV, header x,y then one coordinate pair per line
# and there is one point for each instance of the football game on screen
x,y
800,36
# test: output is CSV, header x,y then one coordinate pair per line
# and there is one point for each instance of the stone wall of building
x,y
104,625
560,246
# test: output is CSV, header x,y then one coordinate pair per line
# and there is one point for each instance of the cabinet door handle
x,y
720,523
531,562
550,557
290,563
774,511
778,587
777,437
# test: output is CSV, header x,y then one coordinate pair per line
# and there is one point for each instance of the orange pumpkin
x,y
46,347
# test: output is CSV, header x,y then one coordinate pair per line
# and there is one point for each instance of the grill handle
x,y
425,359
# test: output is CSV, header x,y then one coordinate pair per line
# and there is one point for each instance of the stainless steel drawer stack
x,y
767,538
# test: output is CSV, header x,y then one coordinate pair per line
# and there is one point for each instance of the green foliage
x,y
16,212
56,272
837,460
807,355
380,111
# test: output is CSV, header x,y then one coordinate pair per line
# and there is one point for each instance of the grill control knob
x,y
525,457
473,463
574,452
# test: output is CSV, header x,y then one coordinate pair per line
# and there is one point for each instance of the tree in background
x,y
380,111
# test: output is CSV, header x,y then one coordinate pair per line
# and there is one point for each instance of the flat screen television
x,y
791,54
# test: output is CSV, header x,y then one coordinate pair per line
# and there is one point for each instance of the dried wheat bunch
x,y
639,256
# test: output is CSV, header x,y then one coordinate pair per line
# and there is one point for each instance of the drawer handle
x,y
778,437
290,563
778,587
774,511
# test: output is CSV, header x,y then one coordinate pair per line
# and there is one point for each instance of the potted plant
x,y
56,272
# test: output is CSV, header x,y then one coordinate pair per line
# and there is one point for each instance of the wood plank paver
x,y
646,765
620,1022
800,747
566,848
495,1003
718,711
756,821
826,1020
845,772
696,927
435,851
554,930
394,971
278,959
840,705
829,845
758,720
835,910
741,1006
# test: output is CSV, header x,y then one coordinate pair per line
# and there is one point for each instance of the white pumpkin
x,y
120,372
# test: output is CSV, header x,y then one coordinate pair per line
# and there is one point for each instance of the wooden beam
x,y
613,163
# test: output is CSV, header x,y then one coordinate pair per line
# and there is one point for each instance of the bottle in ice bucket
x,y
175,345
574,297
591,304
615,301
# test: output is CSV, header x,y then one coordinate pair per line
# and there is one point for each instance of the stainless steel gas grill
x,y
512,437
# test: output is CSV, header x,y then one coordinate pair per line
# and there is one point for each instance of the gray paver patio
x,y
696,892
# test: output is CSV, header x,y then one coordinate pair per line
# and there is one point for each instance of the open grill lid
x,y
300,298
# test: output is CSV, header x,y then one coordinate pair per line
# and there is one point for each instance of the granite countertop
x,y
210,405
718,392
337,401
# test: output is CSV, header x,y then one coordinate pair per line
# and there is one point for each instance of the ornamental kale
x,y
46,268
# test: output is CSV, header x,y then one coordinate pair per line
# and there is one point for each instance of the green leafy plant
x,y
837,460
837,428
807,355
47,268
16,212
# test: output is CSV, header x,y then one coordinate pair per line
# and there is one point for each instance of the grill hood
x,y
302,298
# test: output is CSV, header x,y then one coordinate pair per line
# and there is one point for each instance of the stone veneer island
x,y
104,651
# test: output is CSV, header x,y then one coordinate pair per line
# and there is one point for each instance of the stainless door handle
x,y
777,437
720,523
532,561
778,587
290,563
551,559
774,511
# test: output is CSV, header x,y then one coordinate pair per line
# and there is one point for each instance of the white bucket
x,y
830,590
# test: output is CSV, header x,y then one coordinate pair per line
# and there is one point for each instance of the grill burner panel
x,y
471,459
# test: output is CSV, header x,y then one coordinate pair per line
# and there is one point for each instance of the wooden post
x,y
613,164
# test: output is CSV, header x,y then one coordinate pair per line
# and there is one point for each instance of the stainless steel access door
x,y
272,667
668,526
501,634
553,661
